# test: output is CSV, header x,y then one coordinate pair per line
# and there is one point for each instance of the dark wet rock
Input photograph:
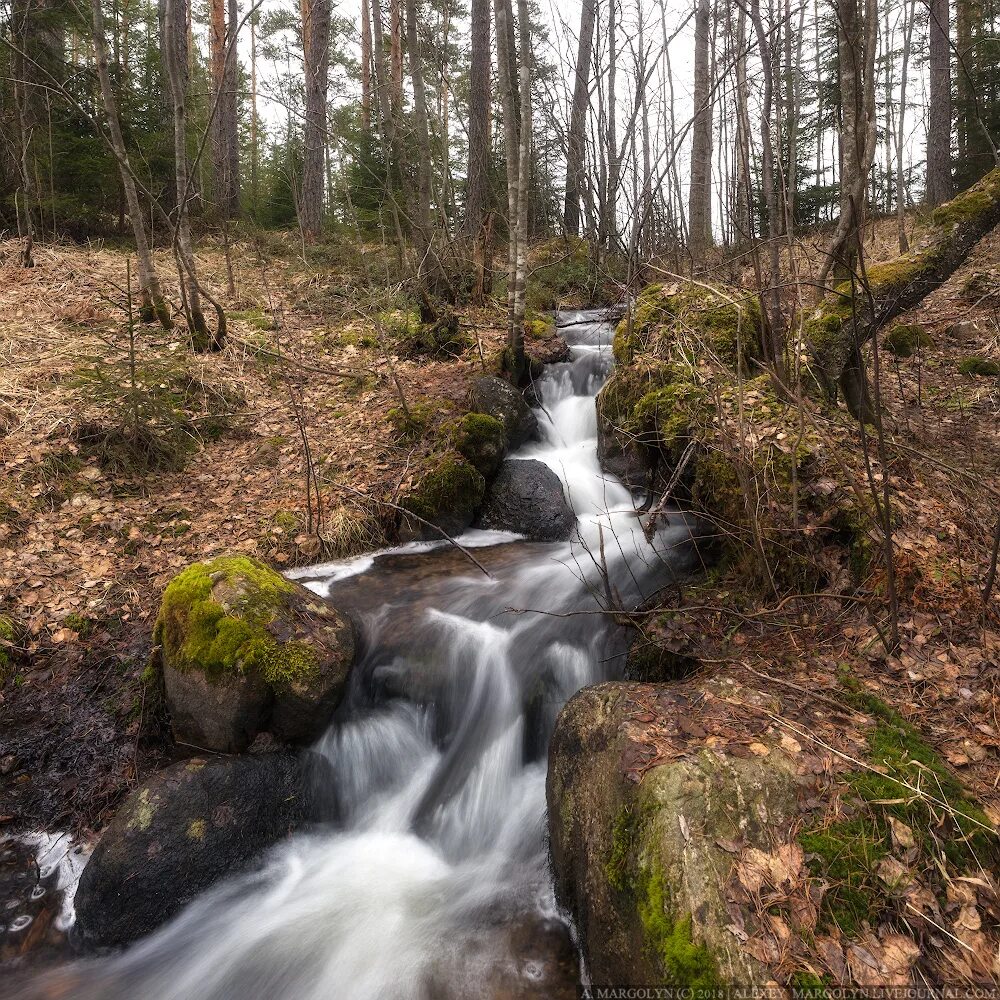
x,y
501,400
621,459
527,497
244,650
186,828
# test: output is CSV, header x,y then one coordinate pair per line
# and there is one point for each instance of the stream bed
x,y
434,883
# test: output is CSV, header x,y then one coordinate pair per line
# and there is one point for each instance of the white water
x,y
440,854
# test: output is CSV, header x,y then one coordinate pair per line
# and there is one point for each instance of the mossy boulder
x,y
244,650
184,829
978,365
643,866
906,339
527,497
501,400
481,440
446,494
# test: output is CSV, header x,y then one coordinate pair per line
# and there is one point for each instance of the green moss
x,y
449,484
977,365
539,327
684,962
77,623
480,439
667,417
847,854
412,423
905,339
7,638
964,208
640,878
198,633
732,329
623,842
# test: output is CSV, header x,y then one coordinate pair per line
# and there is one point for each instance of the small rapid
x,y
434,881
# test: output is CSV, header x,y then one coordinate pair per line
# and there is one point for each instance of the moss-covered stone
x,y
200,630
481,440
906,339
647,889
978,365
731,327
243,649
447,493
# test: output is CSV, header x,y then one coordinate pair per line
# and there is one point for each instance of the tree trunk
x,y
700,196
317,58
508,93
151,295
366,66
523,174
910,17
939,186
478,200
577,139
845,321
421,210
175,56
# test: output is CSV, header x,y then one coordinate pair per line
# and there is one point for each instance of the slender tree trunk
x,y
366,66
508,93
174,46
523,175
700,197
254,137
939,184
317,57
909,15
151,295
231,109
396,55
477,192
577,139
421,213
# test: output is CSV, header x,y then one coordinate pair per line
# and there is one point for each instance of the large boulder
x,y
444,497
501,400
642,854
184,829
527,497
244,650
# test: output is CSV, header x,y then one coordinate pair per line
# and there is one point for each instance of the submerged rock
x,y
527,497
643,866
501,400
245,650
184,829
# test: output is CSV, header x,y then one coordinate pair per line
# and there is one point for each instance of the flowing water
x,y
435,882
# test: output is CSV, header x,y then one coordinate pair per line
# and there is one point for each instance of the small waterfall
x,y
436,875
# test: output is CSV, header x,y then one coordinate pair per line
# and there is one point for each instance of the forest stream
x,y
434,881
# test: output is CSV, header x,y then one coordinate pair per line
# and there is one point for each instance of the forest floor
x,y
91,531
87,542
